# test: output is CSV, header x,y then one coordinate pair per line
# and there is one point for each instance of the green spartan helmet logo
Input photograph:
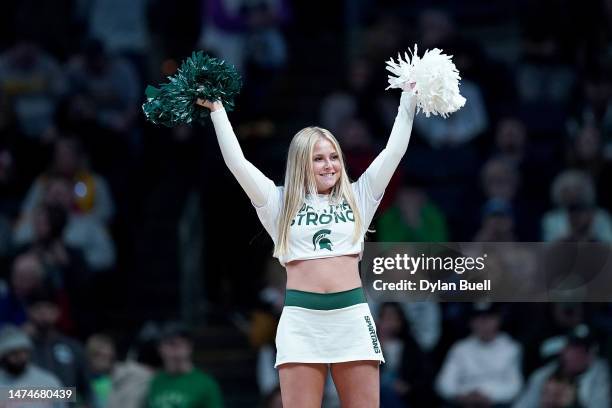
x,y
320,238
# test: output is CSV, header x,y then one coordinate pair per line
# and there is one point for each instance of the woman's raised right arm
x,y
257,186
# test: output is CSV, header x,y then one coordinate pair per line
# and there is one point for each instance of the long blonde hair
x,y
300,180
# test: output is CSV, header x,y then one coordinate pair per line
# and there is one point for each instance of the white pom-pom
x,y
435,79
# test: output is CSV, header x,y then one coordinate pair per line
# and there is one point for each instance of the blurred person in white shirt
x,y
482,370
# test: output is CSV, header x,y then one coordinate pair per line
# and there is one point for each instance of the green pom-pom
x,y
200,76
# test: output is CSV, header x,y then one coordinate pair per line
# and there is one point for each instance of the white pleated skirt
x,y
326,335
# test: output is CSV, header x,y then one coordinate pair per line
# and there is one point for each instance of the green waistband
x,y
324,301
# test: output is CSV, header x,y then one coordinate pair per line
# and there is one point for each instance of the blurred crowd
x,y
91,195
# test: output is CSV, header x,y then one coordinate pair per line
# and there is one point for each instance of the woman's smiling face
x,y
326,165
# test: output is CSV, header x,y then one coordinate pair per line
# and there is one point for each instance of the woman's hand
x,y
213,106
408,86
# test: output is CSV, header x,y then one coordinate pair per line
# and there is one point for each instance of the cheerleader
x,y
317,221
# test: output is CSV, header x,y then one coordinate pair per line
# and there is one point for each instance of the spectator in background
x,y
17,371
436,28
105,89
384,37
102,110
120,26
497,222
584,376
266,47
511,140
63,263
180,380
580,224
81,232
585,152
173,34
224,31
357,103
406,376
131,378
341,106
240,30
412,218
33,82
100,351
484,369
576,216
65,269
501,180
27,275
545,73
546,343
594,107
91,194
54,351
425,320
514,145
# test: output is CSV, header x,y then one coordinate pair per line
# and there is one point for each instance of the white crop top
x,y
319,230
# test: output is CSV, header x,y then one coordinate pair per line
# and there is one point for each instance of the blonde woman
x,y
317,221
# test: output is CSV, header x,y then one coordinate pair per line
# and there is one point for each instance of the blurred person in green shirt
x,y
100,352
413,217
180,384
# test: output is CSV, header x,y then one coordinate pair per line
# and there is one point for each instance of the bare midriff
x,y
324,275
